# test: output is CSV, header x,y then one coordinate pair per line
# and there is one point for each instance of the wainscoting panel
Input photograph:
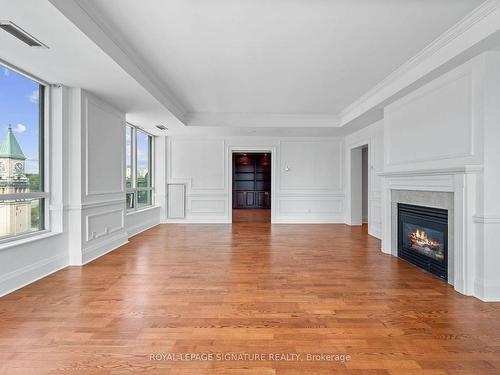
x,y
202,205
314,205
105,223
104,229
176,201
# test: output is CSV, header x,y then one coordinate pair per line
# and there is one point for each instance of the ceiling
x,y
280,56
75,61
242,67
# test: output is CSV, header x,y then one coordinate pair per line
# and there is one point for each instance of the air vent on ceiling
x,y
20,34
162,127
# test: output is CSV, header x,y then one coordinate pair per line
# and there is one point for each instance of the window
x,y
139,168
23,197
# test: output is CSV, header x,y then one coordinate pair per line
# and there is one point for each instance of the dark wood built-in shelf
x,y
251,180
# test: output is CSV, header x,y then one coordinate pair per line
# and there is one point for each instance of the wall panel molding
x,y
207,206
106,129
195,153
98,224
208,197
323,153
422,114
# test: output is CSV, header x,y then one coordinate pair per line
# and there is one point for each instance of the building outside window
x,y
139,168
23,197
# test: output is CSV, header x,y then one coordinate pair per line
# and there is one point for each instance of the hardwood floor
x,y
247,288
251,215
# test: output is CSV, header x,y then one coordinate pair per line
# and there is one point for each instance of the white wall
x,y
373,136
311,191
452,123
96,181
487,216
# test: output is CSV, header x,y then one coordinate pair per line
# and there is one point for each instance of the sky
x,y
142,150
19,107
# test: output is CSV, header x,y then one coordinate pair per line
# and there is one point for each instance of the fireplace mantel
x,y
462,182
433,172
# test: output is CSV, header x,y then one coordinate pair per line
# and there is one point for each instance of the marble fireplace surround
x,y
451,189
435,199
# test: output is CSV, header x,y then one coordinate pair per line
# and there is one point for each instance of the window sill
x,y
140,210
27,239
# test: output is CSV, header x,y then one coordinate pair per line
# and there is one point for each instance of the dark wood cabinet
x,y
239,198
263,199
251,180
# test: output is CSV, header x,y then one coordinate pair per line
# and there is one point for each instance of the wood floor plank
x,y
249,288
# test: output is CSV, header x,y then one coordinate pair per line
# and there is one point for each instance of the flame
x,y
421,235
421,238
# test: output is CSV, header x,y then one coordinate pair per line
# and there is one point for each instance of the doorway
x,y
359,185
251,187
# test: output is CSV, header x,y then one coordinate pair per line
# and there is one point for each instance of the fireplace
x,y
423,238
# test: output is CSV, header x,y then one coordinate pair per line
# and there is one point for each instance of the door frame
x,y
350,170
239,149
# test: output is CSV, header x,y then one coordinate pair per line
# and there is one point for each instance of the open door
x,y
251,187
359,185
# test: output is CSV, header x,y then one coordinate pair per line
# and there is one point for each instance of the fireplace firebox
x,y
423,238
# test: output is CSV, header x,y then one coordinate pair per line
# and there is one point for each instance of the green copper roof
x,y
9,148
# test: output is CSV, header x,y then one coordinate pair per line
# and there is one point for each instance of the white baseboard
x,y
214,220
136,229
103,247
275,220
26,275
487,291
375,233
385,251
353,223
309,220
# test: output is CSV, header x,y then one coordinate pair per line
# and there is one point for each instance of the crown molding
x,y
84,16
467,169
263,120
476,26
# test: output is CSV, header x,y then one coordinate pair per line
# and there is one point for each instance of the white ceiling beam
x,y
263,120
82,15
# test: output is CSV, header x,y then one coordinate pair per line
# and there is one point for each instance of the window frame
x,y
134,189
43,149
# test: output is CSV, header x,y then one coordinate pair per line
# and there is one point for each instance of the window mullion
x,y
135,189
18,196
134,173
